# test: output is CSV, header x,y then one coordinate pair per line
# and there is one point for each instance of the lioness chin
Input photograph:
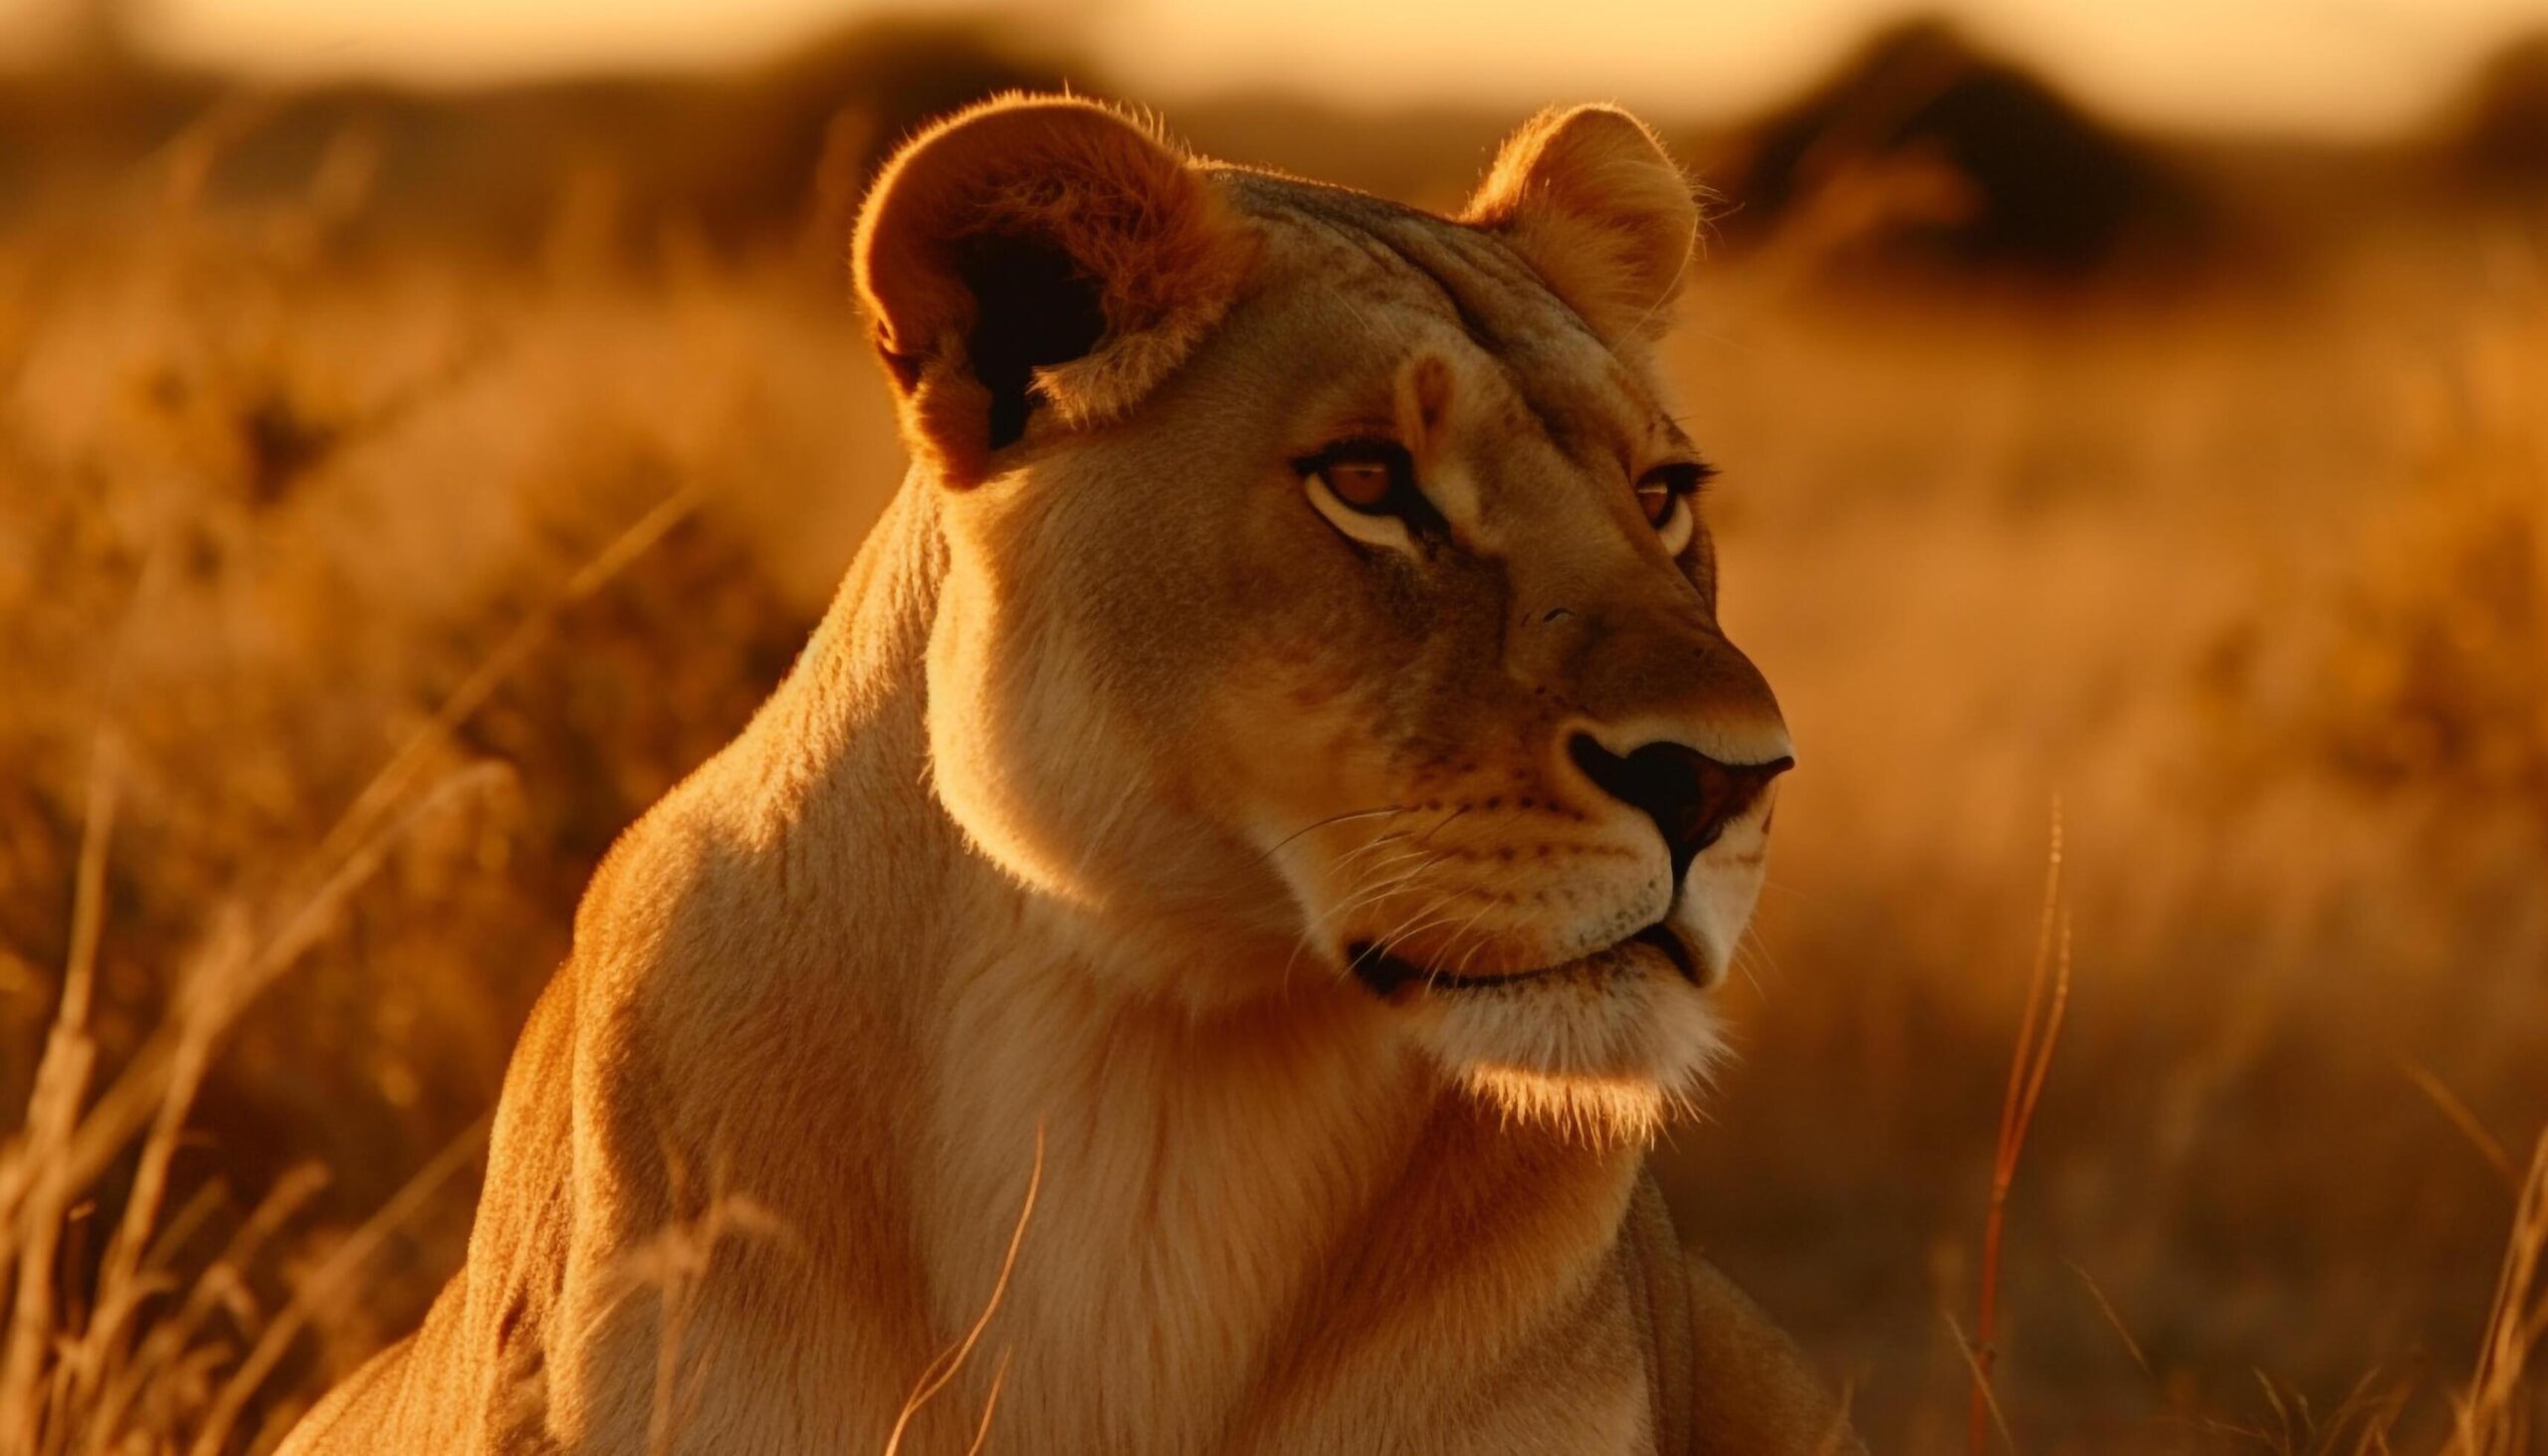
x,y
1273,778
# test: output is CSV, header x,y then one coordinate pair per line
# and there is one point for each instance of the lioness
x,y
1273,778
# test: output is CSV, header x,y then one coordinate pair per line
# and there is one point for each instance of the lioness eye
x,y
1659,489
1363,485
1656,501
1372,477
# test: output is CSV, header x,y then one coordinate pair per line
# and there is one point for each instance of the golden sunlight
x,y
2281,65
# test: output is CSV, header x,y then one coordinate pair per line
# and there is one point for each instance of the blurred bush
x,y
772,154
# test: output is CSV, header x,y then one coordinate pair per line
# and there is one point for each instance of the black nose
x,y
1690,796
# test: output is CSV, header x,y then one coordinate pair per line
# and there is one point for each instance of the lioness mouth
x,y
1388,976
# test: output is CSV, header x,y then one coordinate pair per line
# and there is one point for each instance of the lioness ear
x,y
1038,252
1590,200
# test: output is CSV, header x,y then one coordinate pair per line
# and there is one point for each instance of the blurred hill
x,y
1923,151
1925,146
2497,134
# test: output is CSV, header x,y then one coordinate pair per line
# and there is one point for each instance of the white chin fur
x,y
1608,1055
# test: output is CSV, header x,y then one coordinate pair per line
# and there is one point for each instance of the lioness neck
x,y
1233,1210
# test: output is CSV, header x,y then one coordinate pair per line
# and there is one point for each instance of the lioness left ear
x,y
1589,197
1032,252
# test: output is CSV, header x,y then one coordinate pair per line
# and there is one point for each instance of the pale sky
x,y
2342,66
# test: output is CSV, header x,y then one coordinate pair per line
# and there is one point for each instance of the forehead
x,y
1383,266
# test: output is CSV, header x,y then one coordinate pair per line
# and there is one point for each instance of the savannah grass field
x,y
355,590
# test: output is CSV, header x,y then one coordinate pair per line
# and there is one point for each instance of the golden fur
x,y
1123,743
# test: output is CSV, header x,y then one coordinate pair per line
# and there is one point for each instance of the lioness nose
x,y
1690,796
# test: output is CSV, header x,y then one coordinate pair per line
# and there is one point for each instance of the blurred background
x,y
428,429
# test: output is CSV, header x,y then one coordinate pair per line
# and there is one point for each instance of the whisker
x,y
1383,877
1429,856
1761,948
1377,841
1368,893
1481,942
1425,913
1433,913
1346,817
1445,823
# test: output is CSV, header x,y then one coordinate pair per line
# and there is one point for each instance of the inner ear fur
x,y
1038,252
1591,199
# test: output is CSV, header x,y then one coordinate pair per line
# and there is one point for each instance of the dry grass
x,y
2039,1033
299,541
2251,582
2499,1411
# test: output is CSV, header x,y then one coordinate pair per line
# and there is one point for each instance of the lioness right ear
x,y
1037,252
1592,200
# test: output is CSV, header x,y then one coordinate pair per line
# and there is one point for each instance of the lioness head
x,y
1328,608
